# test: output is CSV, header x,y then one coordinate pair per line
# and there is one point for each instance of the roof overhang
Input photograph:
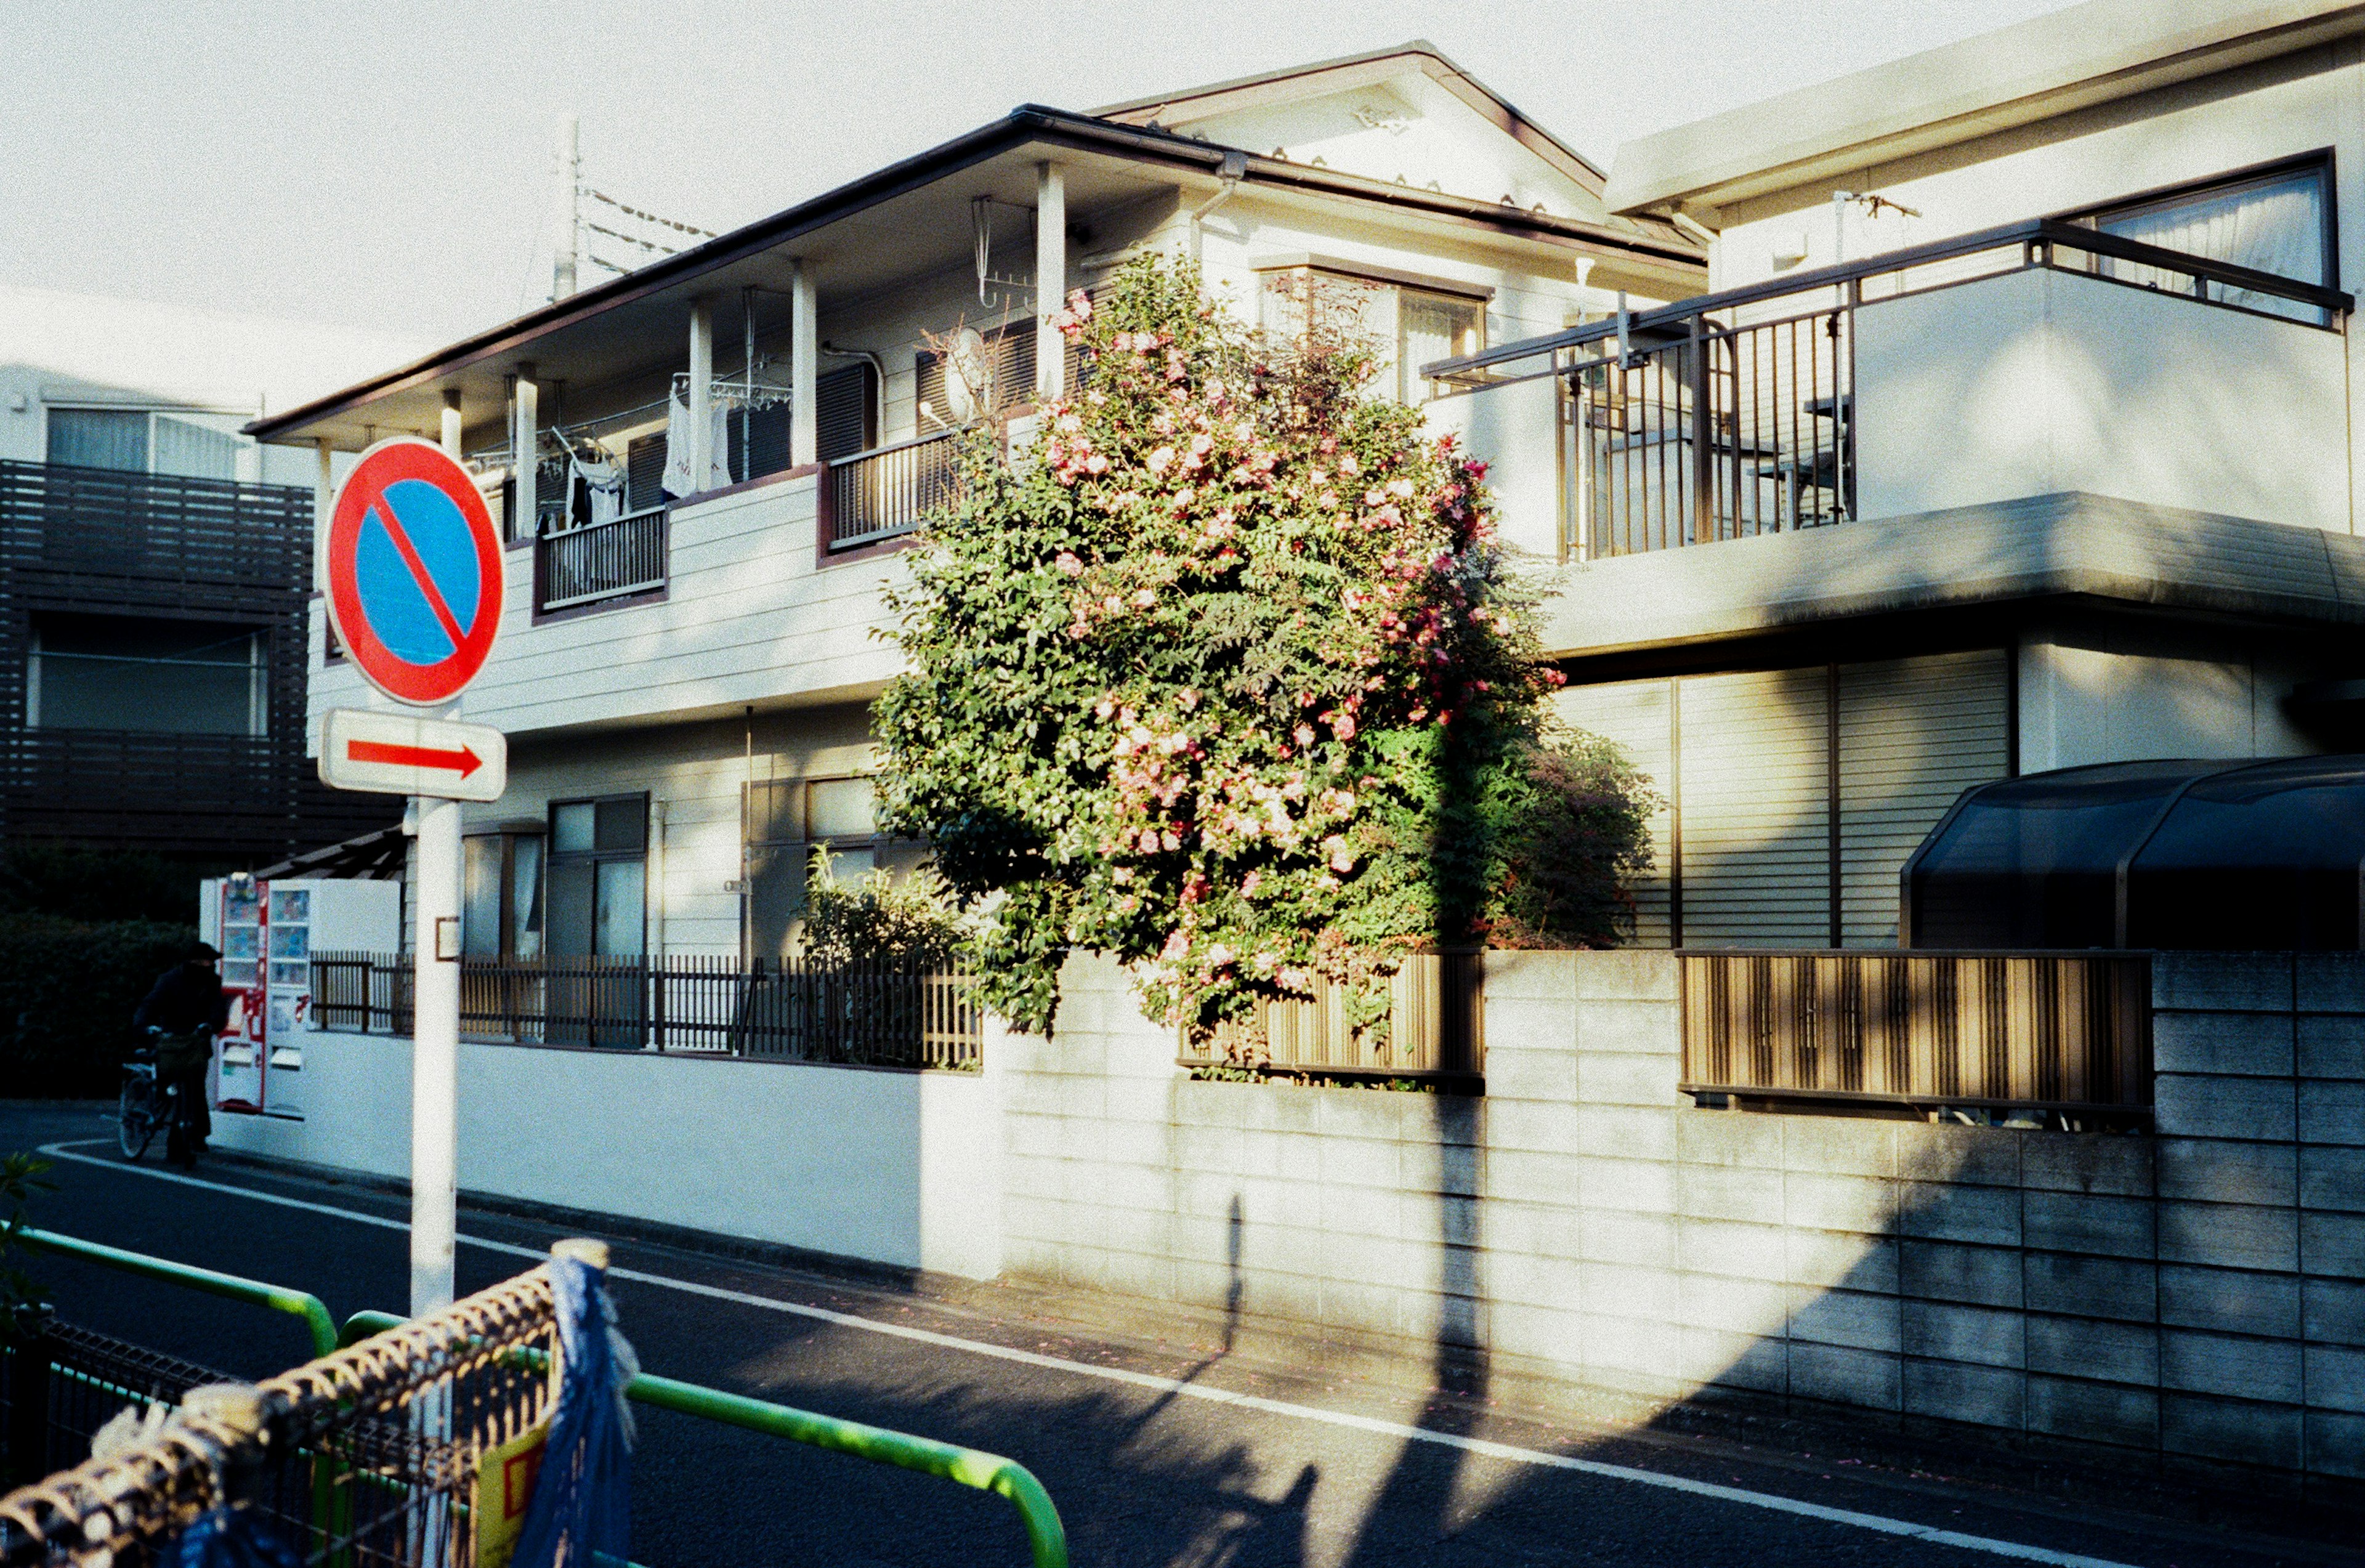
x,y
2050,65
903,220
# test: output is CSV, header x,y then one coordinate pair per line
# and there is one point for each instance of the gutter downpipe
x,y
1233,169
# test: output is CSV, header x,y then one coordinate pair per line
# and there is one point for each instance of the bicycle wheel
x,y
135,1118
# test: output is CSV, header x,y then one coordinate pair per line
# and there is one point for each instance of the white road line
x,y
1506,1452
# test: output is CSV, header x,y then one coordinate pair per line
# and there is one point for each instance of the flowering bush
x,y
1223,675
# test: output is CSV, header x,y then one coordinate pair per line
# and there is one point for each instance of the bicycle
x,y
142,1109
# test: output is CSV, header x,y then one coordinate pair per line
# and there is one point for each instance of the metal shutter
x,y
1915,734
766,430
846,403
1639,715
644,461
1755,772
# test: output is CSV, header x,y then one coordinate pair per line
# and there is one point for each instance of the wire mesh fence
x,y
374,1457
868,1015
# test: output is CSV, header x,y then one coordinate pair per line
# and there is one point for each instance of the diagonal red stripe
x,y
403,547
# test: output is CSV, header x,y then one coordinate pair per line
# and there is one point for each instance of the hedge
x,y
68,988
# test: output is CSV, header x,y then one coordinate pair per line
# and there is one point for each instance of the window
x,y
2278,222
599,892
138,441
785,821
500,910
97,672
1405,325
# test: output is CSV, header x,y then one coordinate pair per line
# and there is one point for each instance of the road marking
x,y
1510,1453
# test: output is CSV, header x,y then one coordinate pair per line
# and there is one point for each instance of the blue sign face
x,y
417,571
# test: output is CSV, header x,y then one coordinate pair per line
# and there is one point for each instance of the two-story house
x,y
707,467
154,569
2017,433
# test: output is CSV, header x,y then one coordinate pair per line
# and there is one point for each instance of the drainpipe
x,y
1234,168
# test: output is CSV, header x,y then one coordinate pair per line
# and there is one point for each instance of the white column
x,y
804,368
701,392
451,423
324,495
434,1059
1050,280
523,436
570,216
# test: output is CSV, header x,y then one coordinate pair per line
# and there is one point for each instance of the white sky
x,y
387,165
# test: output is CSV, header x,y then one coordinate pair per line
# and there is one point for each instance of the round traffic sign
x,y
414,568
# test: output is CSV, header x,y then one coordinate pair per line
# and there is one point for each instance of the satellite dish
x,y
969,375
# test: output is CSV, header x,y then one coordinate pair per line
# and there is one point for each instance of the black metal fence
x,y
874,495
600,560
874,1015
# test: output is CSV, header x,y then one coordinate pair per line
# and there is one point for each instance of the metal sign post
x,y
414,591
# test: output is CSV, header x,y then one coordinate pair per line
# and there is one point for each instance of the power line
x,y
648,217
630,240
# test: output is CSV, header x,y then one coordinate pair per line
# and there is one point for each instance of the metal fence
x,y
600,560
2040,1031
866,1014
1433,1029
874,495
1733,414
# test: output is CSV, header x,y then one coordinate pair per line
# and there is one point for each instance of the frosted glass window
x,y
570,827
1432,326
2273,225
620,888
843,808
195,451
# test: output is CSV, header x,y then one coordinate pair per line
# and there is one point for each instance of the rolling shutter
x,y
846,403
1915,734
1755,772
1639,716
644,461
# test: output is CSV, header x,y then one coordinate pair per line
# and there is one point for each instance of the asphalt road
x,y
1156,1454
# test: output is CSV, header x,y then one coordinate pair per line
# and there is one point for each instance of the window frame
x,y
553,857
874,841
2321,162
241,444
1396,285
509,834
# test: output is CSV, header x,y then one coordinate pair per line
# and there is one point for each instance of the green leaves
x,y
1223,674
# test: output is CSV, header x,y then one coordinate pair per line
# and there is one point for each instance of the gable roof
x,y
2049,65
1353,71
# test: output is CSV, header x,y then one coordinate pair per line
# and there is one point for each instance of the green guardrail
x,y
1005,1478
278,1298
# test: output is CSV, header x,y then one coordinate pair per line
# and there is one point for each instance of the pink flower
x,y
1066,562
1081,304
1161,460
1096,464
1343,726
1145,598
1149,843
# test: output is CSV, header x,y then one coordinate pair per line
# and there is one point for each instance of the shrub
x,y
67,992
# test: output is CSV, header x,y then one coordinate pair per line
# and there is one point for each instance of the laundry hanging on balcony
x,y
603,482
678,480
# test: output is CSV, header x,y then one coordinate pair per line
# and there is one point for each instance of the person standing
x,y
185,1010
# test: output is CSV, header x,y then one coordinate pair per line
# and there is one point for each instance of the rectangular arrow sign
x,y
393,753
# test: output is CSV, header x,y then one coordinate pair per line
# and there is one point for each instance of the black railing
x,y
1733,414
877,495
600,560
873,1015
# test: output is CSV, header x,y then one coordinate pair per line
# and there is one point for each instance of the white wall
x,y
2037,382
897,1167
2095,696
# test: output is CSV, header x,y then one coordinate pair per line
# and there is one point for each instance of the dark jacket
x,y
184,997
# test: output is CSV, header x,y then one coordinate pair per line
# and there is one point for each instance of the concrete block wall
x,y
2193,1295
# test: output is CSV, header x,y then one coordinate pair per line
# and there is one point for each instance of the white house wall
x,y
2098,696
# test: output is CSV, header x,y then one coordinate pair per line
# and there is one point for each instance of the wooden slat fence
x,y
2052,1031
859,1015
1434,1029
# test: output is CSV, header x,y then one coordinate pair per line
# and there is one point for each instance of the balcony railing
x,y
870,1014
1734,414
1432,1030
877,495
2067,1032
601,561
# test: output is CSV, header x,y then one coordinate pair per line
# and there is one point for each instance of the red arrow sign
x,y
464,761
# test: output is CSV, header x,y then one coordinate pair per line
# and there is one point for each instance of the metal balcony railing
x,y
877,495
601,561
1733,414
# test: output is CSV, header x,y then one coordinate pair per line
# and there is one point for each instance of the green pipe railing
x,y
1005,1478
278,1298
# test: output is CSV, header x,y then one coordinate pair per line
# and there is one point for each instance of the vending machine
x,y
267,932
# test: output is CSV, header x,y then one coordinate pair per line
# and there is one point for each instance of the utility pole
x,y
570,217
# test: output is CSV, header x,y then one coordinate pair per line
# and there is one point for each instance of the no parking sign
x,y
414,570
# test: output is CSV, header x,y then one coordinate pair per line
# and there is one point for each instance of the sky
x,y
387,166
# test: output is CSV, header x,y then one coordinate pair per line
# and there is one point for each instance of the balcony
x,y
2038,359
872,497
597,562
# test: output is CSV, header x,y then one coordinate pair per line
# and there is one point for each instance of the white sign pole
x,y
436,1058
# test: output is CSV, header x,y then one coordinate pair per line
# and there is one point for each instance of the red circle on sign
x,y
363,493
